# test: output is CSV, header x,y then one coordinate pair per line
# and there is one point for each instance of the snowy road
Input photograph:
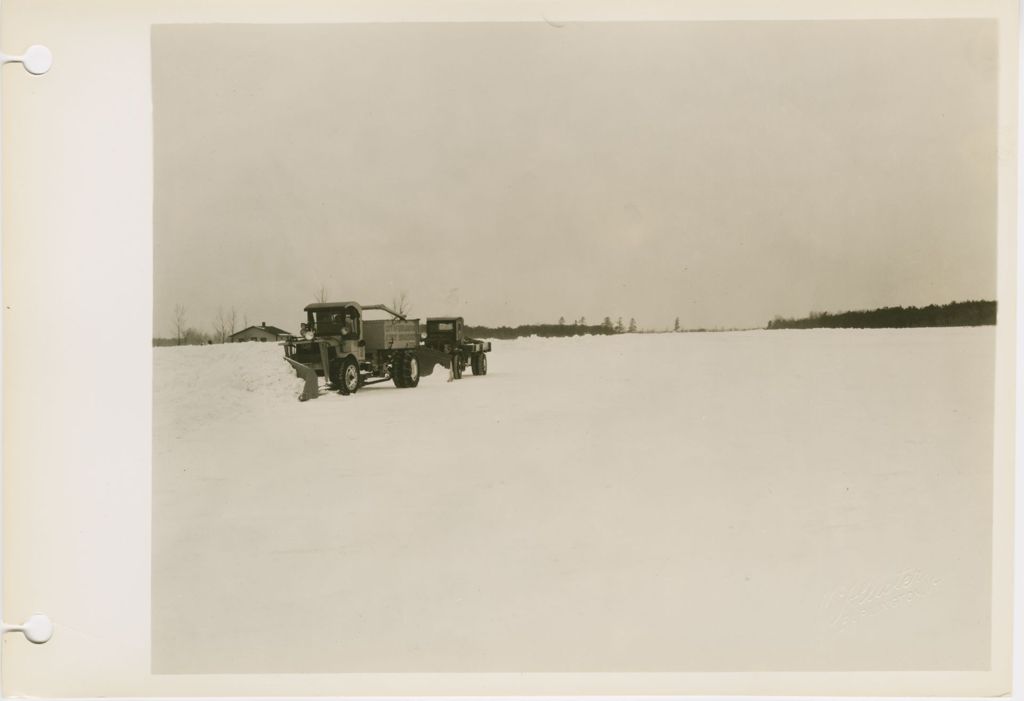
x,y
628,503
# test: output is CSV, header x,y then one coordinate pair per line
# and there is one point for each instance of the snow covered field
x,y
628,503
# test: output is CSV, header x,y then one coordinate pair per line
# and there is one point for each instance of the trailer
x,y
338,344
446,334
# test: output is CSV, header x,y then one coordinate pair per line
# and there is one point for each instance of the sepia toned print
x,y
626,490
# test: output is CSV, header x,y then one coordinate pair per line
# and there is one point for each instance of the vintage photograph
x,y
569,346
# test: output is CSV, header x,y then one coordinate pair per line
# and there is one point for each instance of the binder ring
x,y
37,629
37,59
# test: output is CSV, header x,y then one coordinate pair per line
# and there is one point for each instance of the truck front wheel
x,y
349,376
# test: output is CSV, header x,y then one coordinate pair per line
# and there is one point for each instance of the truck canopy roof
x,y
316,306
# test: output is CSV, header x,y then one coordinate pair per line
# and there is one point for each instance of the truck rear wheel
x,y
479,363
411,374
348,376
406,371
398,370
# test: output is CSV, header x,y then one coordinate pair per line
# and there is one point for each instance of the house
x,y
259,333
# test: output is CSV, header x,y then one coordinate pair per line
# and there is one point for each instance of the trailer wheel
x,y
410,371
479,363
349,376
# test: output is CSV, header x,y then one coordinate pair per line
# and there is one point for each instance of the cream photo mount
x,y
100,596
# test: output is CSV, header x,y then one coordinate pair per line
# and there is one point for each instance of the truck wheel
x,y
334,373
410,371
349,376
398,370
480,364
457,367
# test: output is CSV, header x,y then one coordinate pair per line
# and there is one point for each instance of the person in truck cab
x,y
348,324
342,321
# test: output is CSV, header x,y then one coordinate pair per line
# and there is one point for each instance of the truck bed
x,y
385,334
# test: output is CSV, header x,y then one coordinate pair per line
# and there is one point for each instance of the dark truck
x,y
446,334
338,344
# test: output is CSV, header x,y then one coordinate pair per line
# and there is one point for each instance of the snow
x,y
720,480
195,385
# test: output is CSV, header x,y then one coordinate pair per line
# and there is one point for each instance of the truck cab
x,y
445,333
339,325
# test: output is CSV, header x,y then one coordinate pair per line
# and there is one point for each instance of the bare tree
x,y
401,303
179,322
224,324
676,328
218,326
632,325
321,294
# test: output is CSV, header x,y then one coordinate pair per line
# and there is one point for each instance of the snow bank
x,y
194,385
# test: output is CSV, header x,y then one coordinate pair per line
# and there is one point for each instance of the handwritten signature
x,y
847,605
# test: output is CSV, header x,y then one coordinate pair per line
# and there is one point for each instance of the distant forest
x,y
974,313
548,330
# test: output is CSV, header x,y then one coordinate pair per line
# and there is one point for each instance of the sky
x,y
719,172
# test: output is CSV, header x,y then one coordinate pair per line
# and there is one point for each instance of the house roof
x,y
268,328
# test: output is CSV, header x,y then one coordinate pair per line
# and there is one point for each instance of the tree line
x,y
578,327
970,313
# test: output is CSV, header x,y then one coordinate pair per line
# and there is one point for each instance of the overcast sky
x,y
514,173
